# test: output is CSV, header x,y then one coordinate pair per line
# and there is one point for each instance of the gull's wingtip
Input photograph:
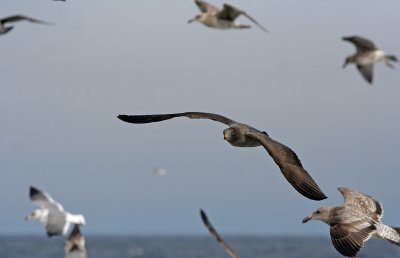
x,y
33,191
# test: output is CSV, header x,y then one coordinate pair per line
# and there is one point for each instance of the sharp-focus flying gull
x,y
15,18
352,224
75,245
216,235
242,135
367,54
213,17
52,214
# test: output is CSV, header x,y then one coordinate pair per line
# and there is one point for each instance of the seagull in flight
x,y
352,224
224,18
367,54
52,214
242,135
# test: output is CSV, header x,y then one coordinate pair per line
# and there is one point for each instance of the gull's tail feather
x,y
390,234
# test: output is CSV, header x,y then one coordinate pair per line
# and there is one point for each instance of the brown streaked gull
x,y
16,18
224,18
52,214
352,224
214,232
242,135
367,54
75,245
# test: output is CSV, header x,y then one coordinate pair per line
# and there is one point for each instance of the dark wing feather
x,y
216,235
16,18
230,13
348,239
144,119
362,44
206,7
367,71
44,200
290,166
365,202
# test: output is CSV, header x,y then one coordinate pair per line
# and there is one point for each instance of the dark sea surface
x,y
188,246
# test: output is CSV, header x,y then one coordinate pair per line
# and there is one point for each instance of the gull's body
x,y
52,214
75,245
366,56
214,232
242,135
15,18
225,18
352,224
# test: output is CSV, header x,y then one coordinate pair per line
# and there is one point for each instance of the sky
x,y
62,86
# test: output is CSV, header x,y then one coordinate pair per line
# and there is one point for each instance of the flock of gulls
x,y
351,224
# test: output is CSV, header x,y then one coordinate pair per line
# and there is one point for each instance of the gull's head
x,y
348,60
40,215
322,214
197,18
230,134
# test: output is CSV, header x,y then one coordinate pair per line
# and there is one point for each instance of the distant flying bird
x,y
157,171
352,224
214,232
242,135
15,18
52,214
213,17
367,54
75,245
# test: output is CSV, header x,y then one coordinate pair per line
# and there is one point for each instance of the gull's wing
x,y
362,44
144,119
349,238
216,235
56,223
206,7
367,71
290,166
44,200
16,18
230,13
75,245
365,202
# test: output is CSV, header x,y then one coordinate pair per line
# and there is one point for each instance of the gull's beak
x,y
345,64
191,20
27,217
306,219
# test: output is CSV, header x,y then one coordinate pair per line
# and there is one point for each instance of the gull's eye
x,y
318,212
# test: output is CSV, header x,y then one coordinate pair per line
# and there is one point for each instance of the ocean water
x,y
188,247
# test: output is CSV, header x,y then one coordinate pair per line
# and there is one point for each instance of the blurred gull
x,y
158,171
75,245
216,235
213,17
367,54
15,18
52,214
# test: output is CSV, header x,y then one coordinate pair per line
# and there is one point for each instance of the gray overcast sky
x,y
62,86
